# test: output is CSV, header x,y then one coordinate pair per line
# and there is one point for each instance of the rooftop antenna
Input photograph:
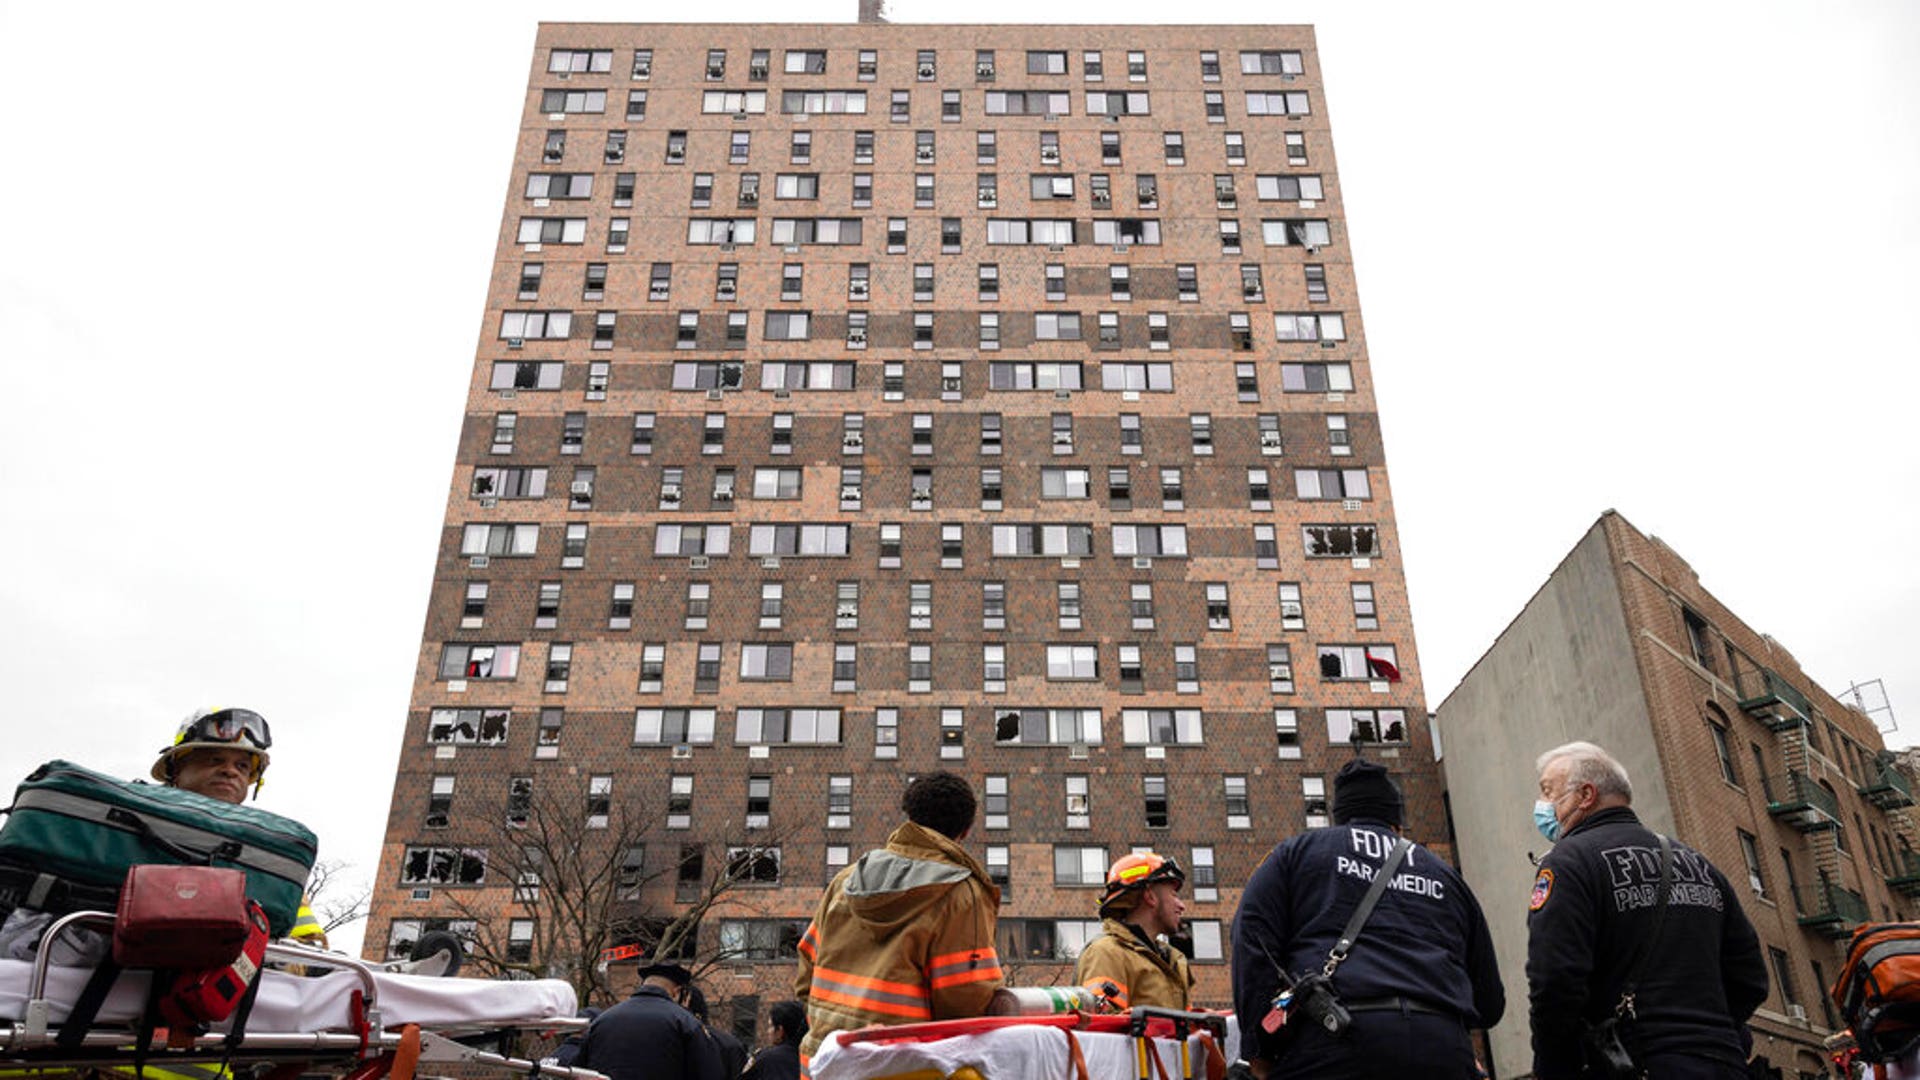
x,y
873,11
1870,698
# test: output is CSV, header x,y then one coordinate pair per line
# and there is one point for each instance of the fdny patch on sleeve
x,y
1542,888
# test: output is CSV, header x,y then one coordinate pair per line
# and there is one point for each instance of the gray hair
x,y
1588,764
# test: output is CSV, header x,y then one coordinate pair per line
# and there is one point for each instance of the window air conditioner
x,y
950,385
698,562
853,438
716,395
757,73
926,71
1270,440
1797,1013
672,155
1077,752
988,196
846,611
489,503
856,337
515,343
581,487
1050,156
724,292
682,752
1142,562
857,290
669,493
923,495
1148,194
722,494
1290,610
643,71
923,155
479,562
1076,804
748,198
849,494
984,71
1063,438
1103,198
716,71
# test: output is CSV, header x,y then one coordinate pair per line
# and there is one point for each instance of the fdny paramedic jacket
x,y
903,935
1427,941
1591,914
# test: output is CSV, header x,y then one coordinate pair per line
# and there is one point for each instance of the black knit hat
x,y
1363,791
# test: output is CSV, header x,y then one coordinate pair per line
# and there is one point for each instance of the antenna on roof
x,y
1870,699
873,11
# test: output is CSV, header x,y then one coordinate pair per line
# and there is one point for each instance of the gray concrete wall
x,y
1563,670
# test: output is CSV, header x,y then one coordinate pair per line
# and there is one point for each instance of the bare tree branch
x,y
336,899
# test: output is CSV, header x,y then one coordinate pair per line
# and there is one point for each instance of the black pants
x,y
1382,1045
1689,1067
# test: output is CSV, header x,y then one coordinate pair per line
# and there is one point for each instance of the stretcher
x,y
353,1019
1145,1044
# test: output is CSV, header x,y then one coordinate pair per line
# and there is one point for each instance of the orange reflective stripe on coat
x,y
870,994
809,941
960,968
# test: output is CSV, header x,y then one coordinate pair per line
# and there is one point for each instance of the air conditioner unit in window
x,y
1076,804
489,502
846,611
1148,194
857,290
923,495
722,494
1063,438
926,71
1064,395
669,493
850,494
581,487
716,395
516,343
420,894
984,71
643,71
1077,752
716,71
1103,198
673,156
853,439
988,196
748,198
725,291
1290,610
856,337
682,752
1142,562
1270,440
698,562
950,384
479,562
757,74
1049,156
923,155
1797,1013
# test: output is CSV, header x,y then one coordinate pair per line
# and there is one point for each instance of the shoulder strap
x,y
1659,921
1367,903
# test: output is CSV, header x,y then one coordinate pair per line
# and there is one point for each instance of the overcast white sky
x,y
1660,257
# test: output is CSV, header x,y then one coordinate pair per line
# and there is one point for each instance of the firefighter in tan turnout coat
x,y
905,934
1130,963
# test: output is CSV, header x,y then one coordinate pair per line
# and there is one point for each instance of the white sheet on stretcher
x,y
289,1003
1016,1052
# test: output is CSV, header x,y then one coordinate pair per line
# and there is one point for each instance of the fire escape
x,y
1804,799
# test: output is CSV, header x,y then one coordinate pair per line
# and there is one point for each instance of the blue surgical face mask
x,y
1546,820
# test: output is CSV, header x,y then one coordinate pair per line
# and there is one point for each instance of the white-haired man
x,y
1596,932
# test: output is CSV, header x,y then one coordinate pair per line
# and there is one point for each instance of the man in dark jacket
x,y
780,1058
733,1052
1592,916
1420,975
650,1036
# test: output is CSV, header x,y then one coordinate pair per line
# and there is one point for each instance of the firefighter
x,y
1130,963
220,753
905,933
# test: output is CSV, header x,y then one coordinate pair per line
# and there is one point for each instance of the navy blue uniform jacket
x,y
1427,940
1591,914
648,1037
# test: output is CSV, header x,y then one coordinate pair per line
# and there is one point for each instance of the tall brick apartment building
x,y
857,400
1731,748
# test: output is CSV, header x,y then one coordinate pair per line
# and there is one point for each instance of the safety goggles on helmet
x,y
227,725
1133,873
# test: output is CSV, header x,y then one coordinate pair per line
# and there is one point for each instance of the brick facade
x,y
581,417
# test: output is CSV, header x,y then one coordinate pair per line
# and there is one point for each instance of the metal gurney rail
x,y
364,1046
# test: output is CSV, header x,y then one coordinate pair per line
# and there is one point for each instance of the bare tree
x,y
578,867
335,898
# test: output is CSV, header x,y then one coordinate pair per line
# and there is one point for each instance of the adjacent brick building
x,y
857,400
1730,747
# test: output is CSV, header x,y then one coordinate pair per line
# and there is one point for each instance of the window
x,y
1312,235
443,866
1047,541
439,802
996,801
1063,483
1073,662
1161,727
1331,484
1316,378
1347,663
556,102
846,605
1147,541
667,727
1277,103
1215,104
1123,231
1115,104
1724,752
1048,326
467,727
1027,103
1174,144
919,668
899,106
886,733
690,540
788,727
1140,604
1078,803
1750,852
1296,327
920,605
999,869
720,231
1313,796
1043,727
754,865
758,940
1288,188
1054,232
1079,866
699,599
1366,725
1783,976
1219,607
772,662
1035,375
535,325
486,540
953,734
1154,377
560,186
1239,816
1316,281
797,540
1366,617
1229,237
599,801
594,61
